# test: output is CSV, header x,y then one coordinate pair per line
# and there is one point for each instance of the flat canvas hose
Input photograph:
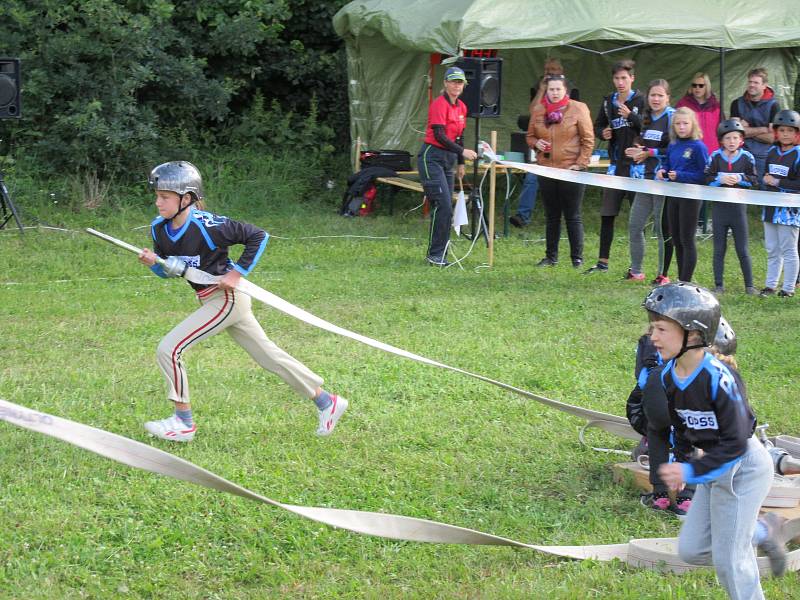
x,y
649,553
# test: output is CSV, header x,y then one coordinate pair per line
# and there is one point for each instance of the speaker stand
x,y
7,208
478,225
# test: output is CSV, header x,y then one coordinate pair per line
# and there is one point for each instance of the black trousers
x,y
436,174
682,214
562,198
728,216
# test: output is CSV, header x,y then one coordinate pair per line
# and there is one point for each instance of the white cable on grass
x,y
417,207
477,225
84,280
582,439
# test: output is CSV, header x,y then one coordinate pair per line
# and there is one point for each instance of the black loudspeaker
x,y
10,107
482,92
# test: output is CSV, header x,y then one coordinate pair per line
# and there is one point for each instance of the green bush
x,y
112,86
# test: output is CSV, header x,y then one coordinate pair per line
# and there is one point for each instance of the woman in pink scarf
x,y
704,103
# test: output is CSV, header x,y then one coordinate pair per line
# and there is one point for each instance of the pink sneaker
x,y
661,503
631,276
681,506
661,280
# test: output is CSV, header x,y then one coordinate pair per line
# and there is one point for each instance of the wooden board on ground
x,y
631,473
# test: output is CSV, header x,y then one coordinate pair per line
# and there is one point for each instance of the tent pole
x,y
704,209
722,82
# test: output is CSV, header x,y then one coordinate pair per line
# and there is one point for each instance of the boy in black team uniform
x,y
709,410
187,236
731,166
619,122
782,223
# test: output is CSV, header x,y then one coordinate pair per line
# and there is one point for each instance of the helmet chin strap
x,y
685,347
180,201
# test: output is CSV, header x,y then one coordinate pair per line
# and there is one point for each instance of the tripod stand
x,y
7,208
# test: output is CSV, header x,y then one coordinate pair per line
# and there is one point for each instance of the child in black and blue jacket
x,y
709,411
782,223
648,414
731,166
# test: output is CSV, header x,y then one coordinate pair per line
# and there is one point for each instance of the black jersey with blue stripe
x,y
655,137
203,241
742,163
785,167
709,411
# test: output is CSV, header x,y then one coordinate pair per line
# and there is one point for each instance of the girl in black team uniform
x,y
185,235
648,414
731,166
709,411
647,155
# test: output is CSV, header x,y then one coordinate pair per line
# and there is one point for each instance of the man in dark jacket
x,y
756,109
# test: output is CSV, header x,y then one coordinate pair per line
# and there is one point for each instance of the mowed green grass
x,y
79,324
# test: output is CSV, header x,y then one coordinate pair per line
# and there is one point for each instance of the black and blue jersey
x,y
785,167
623,130
742,163
203,240
709,410
655,137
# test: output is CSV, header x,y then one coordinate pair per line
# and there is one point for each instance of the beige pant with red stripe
x,y
228,311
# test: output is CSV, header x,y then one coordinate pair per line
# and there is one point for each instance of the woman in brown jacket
x,y
562,134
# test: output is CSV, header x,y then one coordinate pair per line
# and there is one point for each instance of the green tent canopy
x,y
392,46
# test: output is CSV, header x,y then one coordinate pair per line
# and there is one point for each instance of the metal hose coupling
x,y
174,267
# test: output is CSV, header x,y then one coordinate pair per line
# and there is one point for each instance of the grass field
x,y
79,324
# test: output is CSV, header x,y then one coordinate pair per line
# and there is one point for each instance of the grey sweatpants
x,y
228,311
645,205
781,244
722,519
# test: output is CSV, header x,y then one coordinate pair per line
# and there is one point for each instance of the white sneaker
x,y
331,415
171,428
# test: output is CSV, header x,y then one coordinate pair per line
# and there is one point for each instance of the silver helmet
x,y
692,307
790,118
725,340
177,176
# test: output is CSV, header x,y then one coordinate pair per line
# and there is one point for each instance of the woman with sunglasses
x,y
701,99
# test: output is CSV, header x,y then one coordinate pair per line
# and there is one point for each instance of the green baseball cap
x,y
455,74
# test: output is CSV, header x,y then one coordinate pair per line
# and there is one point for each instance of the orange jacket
x,y
572,140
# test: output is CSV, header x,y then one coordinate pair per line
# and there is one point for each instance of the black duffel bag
x,y
397,160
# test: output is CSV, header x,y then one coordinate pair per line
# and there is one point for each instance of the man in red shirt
x,y
441,150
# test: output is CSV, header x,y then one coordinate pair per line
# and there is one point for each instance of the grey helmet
x,y
790,118
177,176
692,307
725,340
729,125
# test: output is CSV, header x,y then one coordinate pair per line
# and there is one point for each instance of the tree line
x,y
109,86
